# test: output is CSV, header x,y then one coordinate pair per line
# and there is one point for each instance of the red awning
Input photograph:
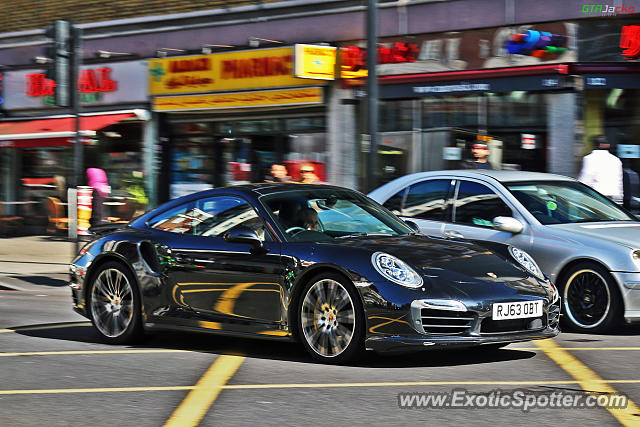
x,y
51,132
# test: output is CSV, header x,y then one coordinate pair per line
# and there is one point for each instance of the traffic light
x,y
540,44
60,53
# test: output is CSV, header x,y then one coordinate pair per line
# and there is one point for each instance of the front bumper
x,y
629,285
406,344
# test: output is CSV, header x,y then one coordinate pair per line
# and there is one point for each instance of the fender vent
x,y
150,256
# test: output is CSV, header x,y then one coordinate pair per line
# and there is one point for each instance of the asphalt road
x,y
55,372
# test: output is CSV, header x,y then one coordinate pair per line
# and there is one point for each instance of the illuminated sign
x,y
540,44
266,98
249,69
630,41
89,81
353,59
315,62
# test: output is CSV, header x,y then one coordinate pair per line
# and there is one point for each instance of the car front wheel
x,y
590,298
114,304
331,319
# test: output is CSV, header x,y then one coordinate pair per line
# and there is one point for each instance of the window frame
x,y
454,199
446,214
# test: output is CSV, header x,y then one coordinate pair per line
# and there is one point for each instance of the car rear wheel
x,y
114,304
331,319
590,298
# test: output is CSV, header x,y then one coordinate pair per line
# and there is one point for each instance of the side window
x,y
477,204
427,199
394,204
175,220
212,216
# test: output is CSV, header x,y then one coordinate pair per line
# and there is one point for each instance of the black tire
x,y
325,327
113,304
591,300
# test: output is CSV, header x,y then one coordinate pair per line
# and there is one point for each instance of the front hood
x,y
429,255
626,233
461,270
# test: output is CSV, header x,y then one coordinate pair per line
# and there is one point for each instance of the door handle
x,y
453,234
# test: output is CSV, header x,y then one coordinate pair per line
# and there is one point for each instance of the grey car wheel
x,y
590,298
330,319
114,304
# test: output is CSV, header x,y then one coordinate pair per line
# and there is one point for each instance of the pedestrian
x,y
278,173
97,179
308,175
602,170
480,152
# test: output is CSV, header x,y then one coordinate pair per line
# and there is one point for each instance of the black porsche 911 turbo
x,y
323,265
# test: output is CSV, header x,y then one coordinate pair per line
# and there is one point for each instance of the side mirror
x,y
507,223
413,226
242,234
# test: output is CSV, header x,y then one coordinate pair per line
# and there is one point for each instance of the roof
x,y
499,175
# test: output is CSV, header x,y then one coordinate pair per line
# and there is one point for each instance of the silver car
x,y
586,244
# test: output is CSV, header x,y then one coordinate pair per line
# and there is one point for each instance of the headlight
x,y
397,271
525,260
636,256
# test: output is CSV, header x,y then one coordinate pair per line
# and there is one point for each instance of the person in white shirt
x,y
602,170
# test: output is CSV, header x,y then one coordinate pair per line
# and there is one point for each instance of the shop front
x,y
36,144
225,118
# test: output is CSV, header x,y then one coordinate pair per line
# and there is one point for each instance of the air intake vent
x,y
149,255
445,321
490,326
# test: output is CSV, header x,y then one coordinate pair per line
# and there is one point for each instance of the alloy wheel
x,y
328,318
112,304
587,298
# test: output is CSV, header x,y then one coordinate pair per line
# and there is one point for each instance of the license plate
x,y
517,310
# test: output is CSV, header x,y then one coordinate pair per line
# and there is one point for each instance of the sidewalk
x,y
37,249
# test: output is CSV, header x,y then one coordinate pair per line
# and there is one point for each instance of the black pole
x,y
74,96
76,58
372,92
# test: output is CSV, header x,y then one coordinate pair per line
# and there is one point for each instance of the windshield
x,y
328,214
563,202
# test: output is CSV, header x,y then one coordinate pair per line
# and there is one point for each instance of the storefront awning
x,y
52,132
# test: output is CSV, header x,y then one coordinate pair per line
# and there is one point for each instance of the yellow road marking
x,y
310,385
205,392
37,328
589,380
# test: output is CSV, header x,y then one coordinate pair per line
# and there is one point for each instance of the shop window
x,y
433,113
191,128
477,204
305,123
395,115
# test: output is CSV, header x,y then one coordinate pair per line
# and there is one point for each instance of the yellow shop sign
x,y
315,62
249,69
263,98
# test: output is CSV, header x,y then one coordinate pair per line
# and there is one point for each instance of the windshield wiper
x,y
362,233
